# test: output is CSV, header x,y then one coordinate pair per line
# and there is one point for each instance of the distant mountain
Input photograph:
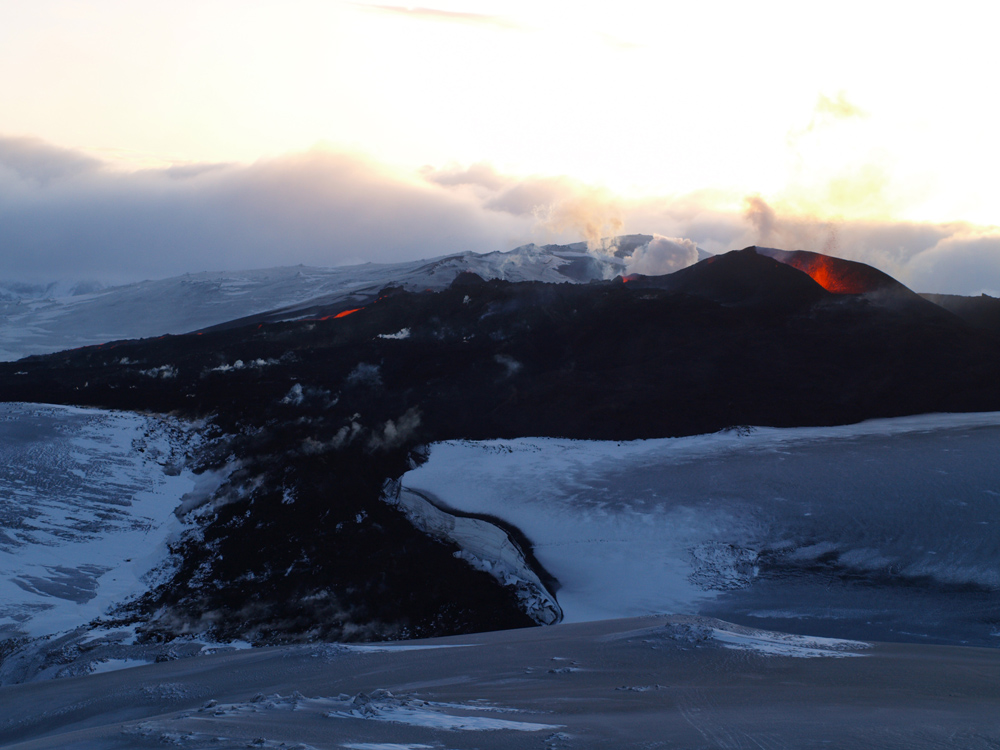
x,y
13,291
43,319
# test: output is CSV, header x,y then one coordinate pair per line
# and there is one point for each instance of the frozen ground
x,y
887,530
87,500
822,530
668,682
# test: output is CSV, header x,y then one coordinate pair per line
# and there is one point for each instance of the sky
x,y
143,140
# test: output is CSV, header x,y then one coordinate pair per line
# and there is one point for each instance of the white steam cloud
x,y
662,255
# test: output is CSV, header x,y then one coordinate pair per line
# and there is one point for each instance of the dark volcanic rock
x,y
982,312
742,277
309,552
321,412
837,275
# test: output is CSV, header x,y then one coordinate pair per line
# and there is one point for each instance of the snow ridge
x,y
485,546
55,318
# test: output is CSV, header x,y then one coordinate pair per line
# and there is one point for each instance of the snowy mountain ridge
x,y
50,318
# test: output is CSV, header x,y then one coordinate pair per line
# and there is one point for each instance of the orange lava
x,y
831,274
343,314
630,277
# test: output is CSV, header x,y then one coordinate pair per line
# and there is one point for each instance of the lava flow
x,y
834,274
343,314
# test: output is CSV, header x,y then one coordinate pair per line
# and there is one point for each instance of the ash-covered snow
x,y
785,644
886,529
690,631
382,705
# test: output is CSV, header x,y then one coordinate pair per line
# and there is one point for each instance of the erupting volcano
x,y
836,275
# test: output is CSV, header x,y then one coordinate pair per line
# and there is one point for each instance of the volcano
x,y
314,419
837,275
745,278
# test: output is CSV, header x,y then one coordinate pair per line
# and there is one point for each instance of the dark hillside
x,y
321,412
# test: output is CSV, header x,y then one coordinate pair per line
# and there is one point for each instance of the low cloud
x,y
947,258
559,206
963,263
67,216
36,162
480,175
64,213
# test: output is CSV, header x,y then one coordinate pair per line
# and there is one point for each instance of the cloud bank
x,y
67,216
63,214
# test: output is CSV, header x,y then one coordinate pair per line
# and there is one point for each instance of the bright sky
x,y
145,139
851,110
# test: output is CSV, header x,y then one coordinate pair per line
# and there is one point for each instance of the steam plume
x,y
662,255
761,216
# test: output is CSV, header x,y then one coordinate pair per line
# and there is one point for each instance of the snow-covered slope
x,y
668,682
889,529
37,325
87,500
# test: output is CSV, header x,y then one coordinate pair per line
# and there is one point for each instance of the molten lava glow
x,y
343,314
832,274
630,277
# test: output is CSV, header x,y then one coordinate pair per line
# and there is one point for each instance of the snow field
x,y
87,501
658,526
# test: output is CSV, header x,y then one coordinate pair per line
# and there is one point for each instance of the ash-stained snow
x,y
87,500
378,705
887,529
56,319
382,646
382,705
785,644
691,631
